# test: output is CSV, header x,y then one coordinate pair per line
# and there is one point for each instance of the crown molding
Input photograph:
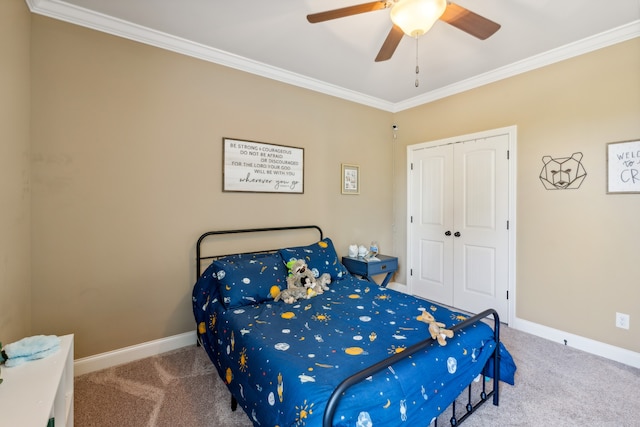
x,y
571,50
66,12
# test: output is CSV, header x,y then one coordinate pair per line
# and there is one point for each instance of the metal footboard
x,y
471,405
332,403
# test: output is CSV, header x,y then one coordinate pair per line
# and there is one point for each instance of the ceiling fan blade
x,y
390,44
346,11
469,22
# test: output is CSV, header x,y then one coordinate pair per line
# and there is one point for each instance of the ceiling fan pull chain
x,y
417,67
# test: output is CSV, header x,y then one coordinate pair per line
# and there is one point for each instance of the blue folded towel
x,y
31,348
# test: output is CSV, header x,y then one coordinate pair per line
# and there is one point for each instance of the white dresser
x,y
39,390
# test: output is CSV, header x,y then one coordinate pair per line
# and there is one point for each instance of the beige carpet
x,y
179,388
555,386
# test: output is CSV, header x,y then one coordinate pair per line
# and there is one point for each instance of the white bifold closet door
x,y
458,230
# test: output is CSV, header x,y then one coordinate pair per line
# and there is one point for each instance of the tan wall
x,y
126,143
127,146
15,197
577,250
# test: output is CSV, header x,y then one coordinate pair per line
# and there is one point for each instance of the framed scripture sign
x,y
257,167
623,167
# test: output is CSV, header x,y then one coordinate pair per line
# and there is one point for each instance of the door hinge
x,y
411,219
507,154
412,166
507,224
411,272
507,294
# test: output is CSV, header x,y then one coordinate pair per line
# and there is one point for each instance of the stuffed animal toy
x,y
318,286
301,276
323,281
296,289
436,329
291,295
301,283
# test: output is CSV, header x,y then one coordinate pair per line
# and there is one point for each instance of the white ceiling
x,y
275,40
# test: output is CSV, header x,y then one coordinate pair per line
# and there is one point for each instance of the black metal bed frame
x,y
470,407
332,404
200,258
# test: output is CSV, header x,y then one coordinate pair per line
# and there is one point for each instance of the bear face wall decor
x,y
562,173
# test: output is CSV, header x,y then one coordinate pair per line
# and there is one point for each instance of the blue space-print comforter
x,y
283,361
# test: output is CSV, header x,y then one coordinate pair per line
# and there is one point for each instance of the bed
x,y
355,355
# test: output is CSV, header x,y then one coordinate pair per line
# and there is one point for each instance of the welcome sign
x,y
623,167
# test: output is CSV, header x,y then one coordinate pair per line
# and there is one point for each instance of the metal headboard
x,y
200,258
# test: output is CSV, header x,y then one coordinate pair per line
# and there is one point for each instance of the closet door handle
x,y
447,233
457,234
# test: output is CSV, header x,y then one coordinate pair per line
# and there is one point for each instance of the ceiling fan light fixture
x,y
416,17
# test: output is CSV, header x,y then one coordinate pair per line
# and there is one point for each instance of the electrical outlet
x,y
622,320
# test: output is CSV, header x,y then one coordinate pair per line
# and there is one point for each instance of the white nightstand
x,y
38,390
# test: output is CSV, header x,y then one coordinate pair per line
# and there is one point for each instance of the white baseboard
x,y
598,348
400,287
132,353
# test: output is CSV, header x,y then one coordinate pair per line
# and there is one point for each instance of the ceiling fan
x,y
414,18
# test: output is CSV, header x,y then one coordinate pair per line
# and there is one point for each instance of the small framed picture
x,y
350,179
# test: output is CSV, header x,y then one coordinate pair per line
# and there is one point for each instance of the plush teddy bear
x,y
301,276
436,329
